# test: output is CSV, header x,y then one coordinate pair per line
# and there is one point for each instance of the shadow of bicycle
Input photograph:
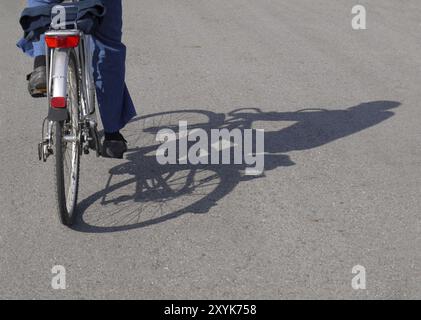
x,y
140,192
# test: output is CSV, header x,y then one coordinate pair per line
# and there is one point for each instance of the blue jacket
x,y
87,14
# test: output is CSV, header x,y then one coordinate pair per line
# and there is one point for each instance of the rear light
x,y
58,102
62,41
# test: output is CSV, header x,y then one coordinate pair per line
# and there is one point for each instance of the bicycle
x,y
70,129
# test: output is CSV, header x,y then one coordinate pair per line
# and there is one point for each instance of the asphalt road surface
x,y
342,118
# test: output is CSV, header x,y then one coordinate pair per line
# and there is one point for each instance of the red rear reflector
x,y
62,41
58,102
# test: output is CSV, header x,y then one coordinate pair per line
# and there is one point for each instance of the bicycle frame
x,y
57,64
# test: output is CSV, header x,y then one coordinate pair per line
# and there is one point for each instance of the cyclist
x,y
115,104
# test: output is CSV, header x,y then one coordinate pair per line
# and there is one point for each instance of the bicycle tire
x,y
67,193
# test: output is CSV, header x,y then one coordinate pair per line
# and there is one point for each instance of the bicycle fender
x,y
59,74
58,114
59,83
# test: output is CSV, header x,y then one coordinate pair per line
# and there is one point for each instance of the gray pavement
x,y
342,184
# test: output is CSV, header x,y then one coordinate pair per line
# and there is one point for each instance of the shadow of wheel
x,y
141,192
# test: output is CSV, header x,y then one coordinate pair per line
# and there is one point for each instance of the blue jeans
x,y
109,59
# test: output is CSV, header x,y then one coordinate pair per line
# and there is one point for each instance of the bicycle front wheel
x,y
67,152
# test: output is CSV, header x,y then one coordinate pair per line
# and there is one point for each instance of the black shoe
x,y
114,146
37,82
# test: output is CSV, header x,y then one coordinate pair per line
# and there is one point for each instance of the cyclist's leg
x,y
37,80
39,46
115,103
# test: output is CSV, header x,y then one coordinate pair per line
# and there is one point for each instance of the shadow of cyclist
x,y
155,193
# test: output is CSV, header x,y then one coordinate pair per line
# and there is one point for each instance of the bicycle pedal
x,y
44,150
40,150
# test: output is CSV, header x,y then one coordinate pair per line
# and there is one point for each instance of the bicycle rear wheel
x,y
67,152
